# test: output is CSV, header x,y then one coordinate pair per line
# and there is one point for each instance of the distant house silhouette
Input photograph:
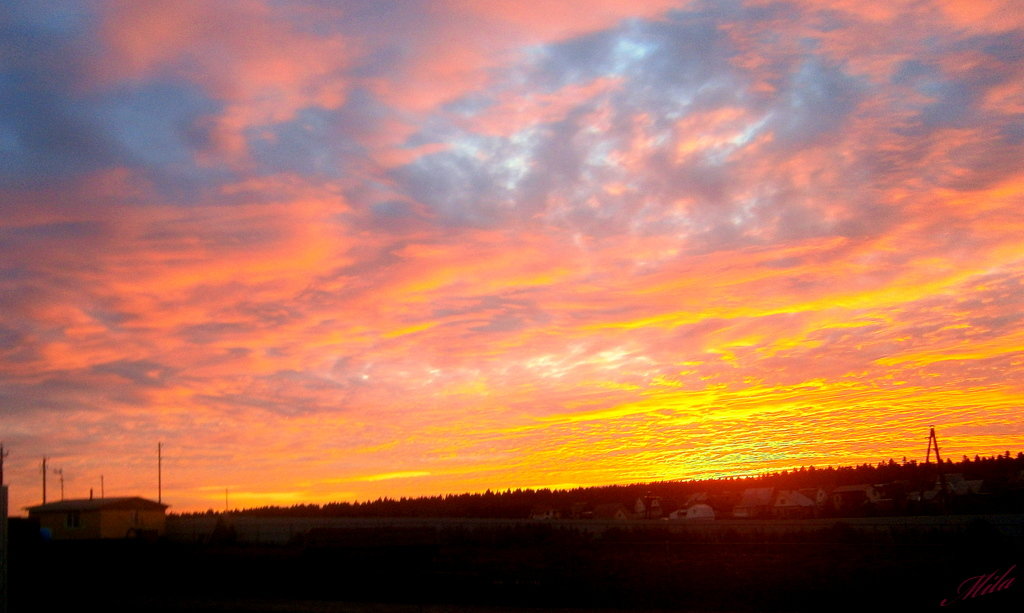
x,y
100,518
544,511
697,498
947,488
818,495
614,511
647,507
696,512
959,486
790,504
857,499
756,502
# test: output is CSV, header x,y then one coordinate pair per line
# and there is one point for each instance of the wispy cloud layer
x,y
343,250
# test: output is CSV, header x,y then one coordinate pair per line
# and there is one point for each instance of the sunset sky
x,y
328,250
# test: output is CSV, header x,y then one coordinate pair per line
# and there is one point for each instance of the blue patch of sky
x,y
156,124
51,18
818,99
46,136
312,143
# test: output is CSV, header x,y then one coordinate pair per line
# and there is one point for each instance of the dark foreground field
x,y
530,567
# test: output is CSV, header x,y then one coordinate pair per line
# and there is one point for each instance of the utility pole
x,y
101,487
3,533
159,472
44,479
60,473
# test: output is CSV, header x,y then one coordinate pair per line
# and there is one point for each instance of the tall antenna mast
x,y
101,487
159,472
44,479
3,454
933,442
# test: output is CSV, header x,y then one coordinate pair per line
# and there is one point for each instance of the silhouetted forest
x,y
997,486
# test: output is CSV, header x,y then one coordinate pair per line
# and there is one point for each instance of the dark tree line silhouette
x,y
1002,477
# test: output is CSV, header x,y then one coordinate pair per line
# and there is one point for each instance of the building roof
x,y
792,498
93,504
610,510
756,497
700,511
860,487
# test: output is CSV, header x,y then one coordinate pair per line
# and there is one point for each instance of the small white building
x,y
696,512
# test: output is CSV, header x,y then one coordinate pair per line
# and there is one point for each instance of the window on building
x,y
73,520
